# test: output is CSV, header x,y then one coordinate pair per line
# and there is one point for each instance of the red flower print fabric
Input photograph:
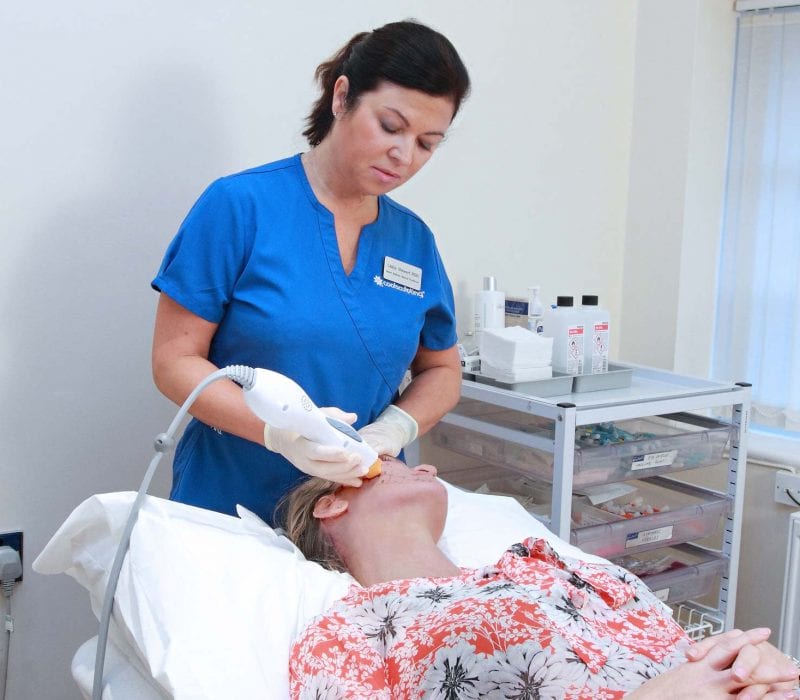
x,y
535,625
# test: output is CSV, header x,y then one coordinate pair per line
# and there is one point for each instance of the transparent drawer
x,y
645,447
487,478
660,512
677,574
682,513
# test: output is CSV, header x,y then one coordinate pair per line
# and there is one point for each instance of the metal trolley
x,y
651,393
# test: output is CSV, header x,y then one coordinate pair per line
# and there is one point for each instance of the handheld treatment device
x,y
281,403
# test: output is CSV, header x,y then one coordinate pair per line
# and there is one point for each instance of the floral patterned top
x,y
535,625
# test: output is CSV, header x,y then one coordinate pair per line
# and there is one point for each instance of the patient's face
x,y
399,487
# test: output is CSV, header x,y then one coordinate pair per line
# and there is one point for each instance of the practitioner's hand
x,y
765,670
733,664
390,432
325,461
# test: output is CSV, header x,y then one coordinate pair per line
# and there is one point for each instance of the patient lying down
x,y
532,625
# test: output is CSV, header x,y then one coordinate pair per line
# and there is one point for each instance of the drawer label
x,y
662,594
654,460
658,534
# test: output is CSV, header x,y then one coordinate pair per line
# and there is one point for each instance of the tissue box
x,y
515,348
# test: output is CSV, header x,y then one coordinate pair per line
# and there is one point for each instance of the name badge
x,y
403,273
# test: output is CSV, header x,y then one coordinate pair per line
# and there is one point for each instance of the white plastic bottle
x,y
597,322
535,311
490,307
547,320
564,325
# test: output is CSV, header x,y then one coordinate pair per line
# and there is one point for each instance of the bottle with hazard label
x,y
565,325
597,333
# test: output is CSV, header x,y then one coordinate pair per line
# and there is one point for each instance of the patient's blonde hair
x,y
295,514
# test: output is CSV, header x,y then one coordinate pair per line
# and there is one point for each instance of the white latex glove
x,y
325,461
390,432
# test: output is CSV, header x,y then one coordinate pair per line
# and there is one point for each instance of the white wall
x,y
684,73
532,186
586,151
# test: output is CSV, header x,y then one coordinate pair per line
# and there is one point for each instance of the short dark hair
x,y
406,53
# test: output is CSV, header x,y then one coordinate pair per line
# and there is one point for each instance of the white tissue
x,y
517,375
515,348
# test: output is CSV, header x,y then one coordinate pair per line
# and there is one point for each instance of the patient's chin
x,y
425,498
431,500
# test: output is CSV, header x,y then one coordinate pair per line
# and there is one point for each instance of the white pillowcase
x,y
209,604
480,527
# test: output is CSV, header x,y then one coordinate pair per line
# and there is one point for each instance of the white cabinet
x,y
509,432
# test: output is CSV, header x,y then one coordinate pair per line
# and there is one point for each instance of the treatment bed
x,y
207,605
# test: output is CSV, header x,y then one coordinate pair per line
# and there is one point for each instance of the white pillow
x,y
480,527
209,604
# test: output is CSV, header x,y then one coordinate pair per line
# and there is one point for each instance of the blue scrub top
x,y
258,255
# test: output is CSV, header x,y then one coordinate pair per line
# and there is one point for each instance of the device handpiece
x,y
281,403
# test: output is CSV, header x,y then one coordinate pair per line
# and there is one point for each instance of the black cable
x,y
789,494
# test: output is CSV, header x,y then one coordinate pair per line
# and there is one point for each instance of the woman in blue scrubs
x,y
306,267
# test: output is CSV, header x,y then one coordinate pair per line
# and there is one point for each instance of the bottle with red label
x,y
565,325
597,329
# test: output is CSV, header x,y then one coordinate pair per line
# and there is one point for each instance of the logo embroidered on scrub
x,y
380,282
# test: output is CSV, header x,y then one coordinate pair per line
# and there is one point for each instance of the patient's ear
x,y
329,506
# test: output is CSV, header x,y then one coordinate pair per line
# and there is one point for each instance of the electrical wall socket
x,y
13,540
785,481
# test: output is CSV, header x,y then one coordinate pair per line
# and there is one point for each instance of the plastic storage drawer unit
x,y
647,447
489,479
676,574
684,513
